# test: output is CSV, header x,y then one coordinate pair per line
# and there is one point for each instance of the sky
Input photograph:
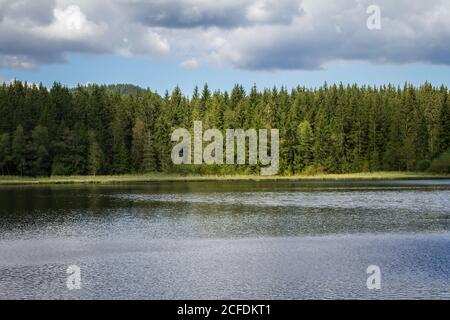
x,y
160,44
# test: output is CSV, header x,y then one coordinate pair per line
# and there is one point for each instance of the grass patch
x,y
11,180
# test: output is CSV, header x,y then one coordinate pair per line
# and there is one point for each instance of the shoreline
x,y
142,178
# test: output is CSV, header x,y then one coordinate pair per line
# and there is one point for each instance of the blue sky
x,y
165,75
161,44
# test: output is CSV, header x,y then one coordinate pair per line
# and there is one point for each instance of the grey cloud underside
x,y
313,55
42,51
33,11
191,14
247,34
169,15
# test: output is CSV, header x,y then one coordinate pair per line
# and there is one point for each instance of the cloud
x,y
328,31
27,11
29,39
203,13
246,34
190,63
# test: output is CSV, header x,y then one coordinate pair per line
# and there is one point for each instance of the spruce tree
x,y
18,150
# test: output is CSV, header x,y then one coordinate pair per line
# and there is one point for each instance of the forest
x,y
93,130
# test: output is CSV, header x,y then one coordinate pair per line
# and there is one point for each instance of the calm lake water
x,y
222,240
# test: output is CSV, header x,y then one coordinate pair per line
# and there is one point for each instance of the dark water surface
x,y
240,240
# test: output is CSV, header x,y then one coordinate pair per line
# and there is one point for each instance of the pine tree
x,y
5,154
305,142
19,151
138,145
408,157
444,126
149,161
120,156
70,152
95,155
40,147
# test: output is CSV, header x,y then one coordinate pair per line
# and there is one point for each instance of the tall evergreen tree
x,y
5,154
444,126
305,138
138,146
95,155
19,150
40,148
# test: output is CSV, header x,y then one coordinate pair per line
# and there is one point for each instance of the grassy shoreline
x,y
13,180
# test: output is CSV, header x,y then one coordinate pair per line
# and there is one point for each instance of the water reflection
x,y
212,211
234,240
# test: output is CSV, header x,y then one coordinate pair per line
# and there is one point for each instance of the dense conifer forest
x,y
91,130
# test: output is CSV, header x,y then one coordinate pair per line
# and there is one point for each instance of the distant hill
x,y
123,89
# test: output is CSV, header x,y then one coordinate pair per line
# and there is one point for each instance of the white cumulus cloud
x,y
190,63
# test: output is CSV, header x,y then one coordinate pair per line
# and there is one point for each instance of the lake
x,y
226,240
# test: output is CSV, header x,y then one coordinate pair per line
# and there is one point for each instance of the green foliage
x,y
40,157
121,129
138,145
441,164
5,153
18,151
423,165
70,152
95,155
304,155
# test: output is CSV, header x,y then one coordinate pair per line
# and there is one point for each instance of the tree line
x,y
124,129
